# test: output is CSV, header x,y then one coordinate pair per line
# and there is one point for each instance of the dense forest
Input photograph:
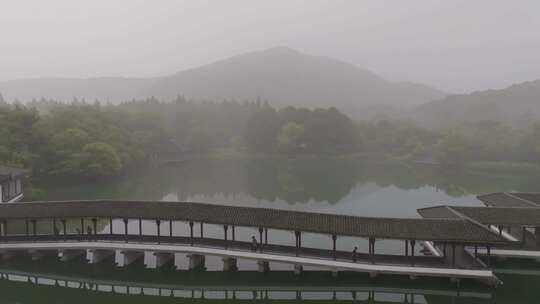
x,y
94,140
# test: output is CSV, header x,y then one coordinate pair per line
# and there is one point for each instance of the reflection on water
x,y
50,282
335,186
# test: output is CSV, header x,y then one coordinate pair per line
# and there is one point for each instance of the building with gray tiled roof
x,y
11,188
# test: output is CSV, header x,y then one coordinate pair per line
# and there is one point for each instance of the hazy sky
x,y
456,45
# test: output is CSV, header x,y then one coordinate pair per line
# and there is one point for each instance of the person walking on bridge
x,y
253,244
354,255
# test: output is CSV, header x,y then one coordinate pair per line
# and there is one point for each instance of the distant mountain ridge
x,y
281,75
517,105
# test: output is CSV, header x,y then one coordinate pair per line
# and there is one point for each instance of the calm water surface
x,y
333,186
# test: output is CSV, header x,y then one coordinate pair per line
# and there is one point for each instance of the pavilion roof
x,y
7,173
508,199
506,216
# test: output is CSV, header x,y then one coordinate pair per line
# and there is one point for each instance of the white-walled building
x,y
11,188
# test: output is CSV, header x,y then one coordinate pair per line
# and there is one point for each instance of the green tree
x,y
100,160
199,139
70,140
291,137
261,130
452,150
530,144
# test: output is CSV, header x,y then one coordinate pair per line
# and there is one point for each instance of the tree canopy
x,y
96,140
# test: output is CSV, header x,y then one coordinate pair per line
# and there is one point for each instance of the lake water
x,y
318,185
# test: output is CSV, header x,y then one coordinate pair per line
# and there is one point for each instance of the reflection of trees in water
x,y
327,180
302,180
457,184
292,181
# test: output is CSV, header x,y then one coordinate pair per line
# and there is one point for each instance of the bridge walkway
x,y
326,254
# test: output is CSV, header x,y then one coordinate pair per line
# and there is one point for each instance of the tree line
x,y
94,140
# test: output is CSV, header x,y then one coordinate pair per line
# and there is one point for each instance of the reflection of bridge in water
x,y
237,292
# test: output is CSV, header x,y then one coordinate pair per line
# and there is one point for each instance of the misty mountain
x,y
287,77
280,75
517,105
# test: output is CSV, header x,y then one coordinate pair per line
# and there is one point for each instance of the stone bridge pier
x,y
196,261
95,256
66,255
164,258
263,266
128,257
230,264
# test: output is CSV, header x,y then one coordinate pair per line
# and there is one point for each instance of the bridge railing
x,y
420,261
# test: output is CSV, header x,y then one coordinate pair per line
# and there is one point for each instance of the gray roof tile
x,y
450,230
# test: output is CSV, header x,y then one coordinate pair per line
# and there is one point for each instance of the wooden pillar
x,y
225,229
406,248
158,224
297,236
488,255
523,234
413,242
126,229
372,249
170,228
202,234
233,234
266,236
94,223
140,226
55,229
64,227
82,225
500,230
191,232
476,251
453,255
334,238
260,237
444,249
110,225
34,228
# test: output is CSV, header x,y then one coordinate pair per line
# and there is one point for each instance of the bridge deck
x,y
511,253
361,266
417,260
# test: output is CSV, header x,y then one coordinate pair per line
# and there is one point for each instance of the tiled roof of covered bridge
x,y
505,199
450,230
507,216
6,173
